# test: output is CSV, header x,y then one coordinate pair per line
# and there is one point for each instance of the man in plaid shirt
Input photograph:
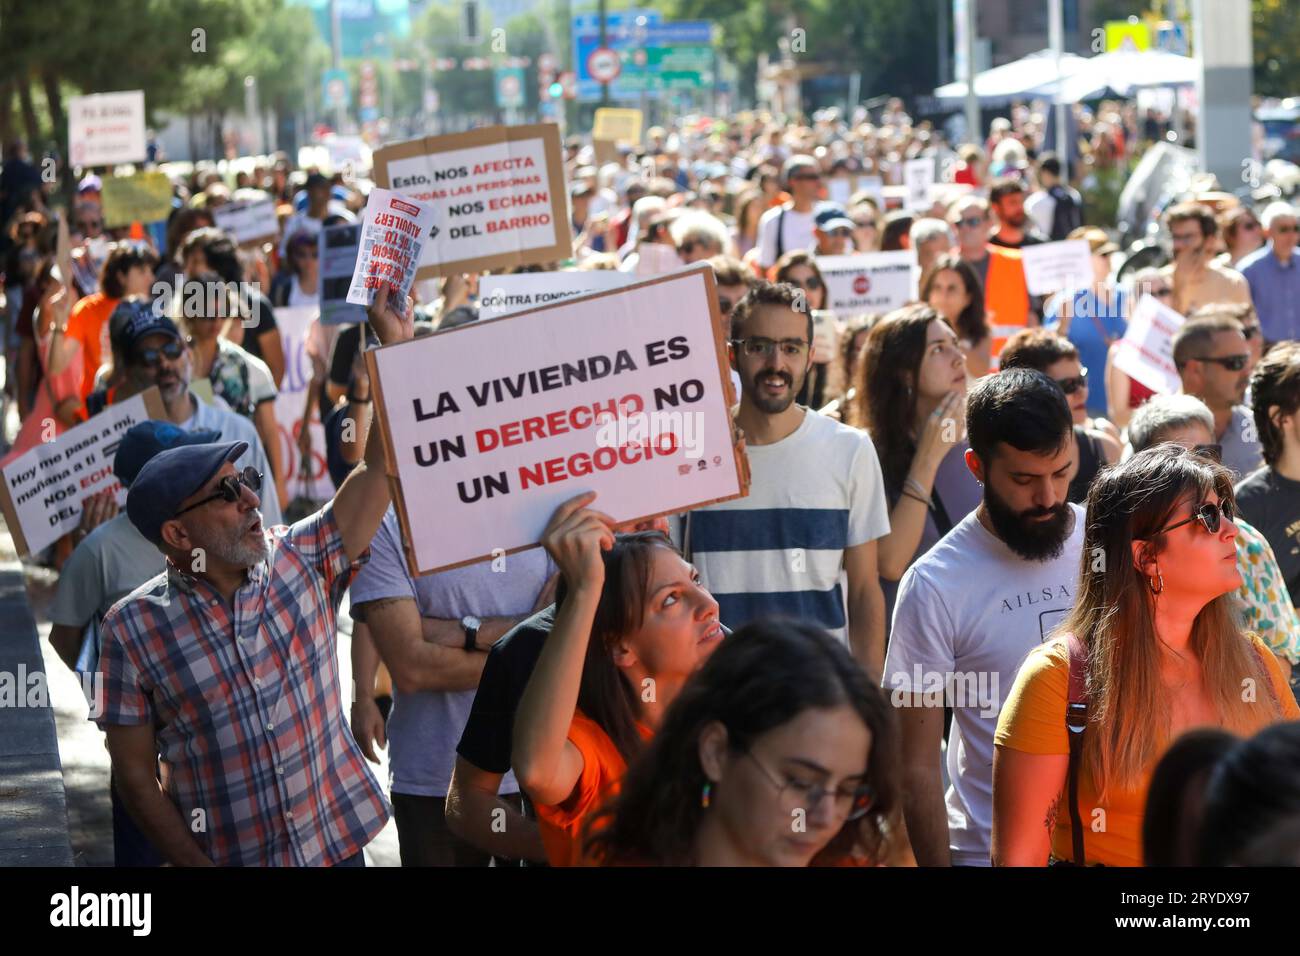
x,y
225,665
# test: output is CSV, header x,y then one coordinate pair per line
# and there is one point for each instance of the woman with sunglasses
x,y
1242,235
632,624
1156,650
777,752
1057,358
800,269
298,284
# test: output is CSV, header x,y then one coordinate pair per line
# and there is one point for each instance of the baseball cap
x,y
169,478
831,216
132,320
146,439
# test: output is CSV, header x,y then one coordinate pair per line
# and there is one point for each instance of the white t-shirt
x,y
796,233
780,550
1040,207
969,612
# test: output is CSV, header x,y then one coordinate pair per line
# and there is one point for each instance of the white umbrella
x,y
1122,72
1030,76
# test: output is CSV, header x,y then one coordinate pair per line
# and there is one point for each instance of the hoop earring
x,y
706,794
1151,582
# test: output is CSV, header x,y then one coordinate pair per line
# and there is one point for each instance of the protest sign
x,y
869,281
606,151
42,490
106,128
144,197
617,125
1054,266
248,220
505,295
505,202
337,254
490,426
293,323
656,259
918,178
1146,352
395,231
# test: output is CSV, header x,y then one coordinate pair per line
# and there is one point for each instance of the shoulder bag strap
x,y
1076,721
780,228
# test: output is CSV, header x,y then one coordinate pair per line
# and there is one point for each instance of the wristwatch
x,y
471,624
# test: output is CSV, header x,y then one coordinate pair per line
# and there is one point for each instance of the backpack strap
x,y
780,228
1076,721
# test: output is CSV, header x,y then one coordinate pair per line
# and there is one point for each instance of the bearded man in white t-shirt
x,y
972,608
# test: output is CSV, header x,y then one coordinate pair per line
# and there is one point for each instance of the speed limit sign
x,y
603,65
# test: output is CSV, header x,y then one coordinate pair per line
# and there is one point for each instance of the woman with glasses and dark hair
x,y
632,623
779,751
952,288
1242,234
1151,648
299,283
800,269
1057,358
911,399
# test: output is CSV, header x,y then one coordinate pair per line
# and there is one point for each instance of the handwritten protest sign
x,y
248,220
918,178
869,281
337,248
490,426
144,197
393,234
1054,266
617,125
42,490
505,295
498,195
106,128
1146,352
293,323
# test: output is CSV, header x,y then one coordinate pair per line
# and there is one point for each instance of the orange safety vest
x,y
1006,296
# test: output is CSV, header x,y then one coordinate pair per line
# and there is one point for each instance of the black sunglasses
x,y
1208,515
1250,331
1212,452
725,305
1233,363
811,283
1071,385
152,358
229,488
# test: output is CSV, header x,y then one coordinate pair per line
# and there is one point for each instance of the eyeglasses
x,y
725,305
1233,363
230,488
1208,515
811,284
1249,331
1071,385
806,177
971,222
1284,230
850,804
790,348
1163,293
1185,238
1212,452
152,358
841,233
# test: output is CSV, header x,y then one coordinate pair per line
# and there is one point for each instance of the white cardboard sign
x,y
869,281
393,235
505,295
1146,352
490,426
1055,266
106,128
248,220
918,178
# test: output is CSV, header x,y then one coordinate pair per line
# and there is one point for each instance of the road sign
x,y
603,65
510,88
547,63
334,88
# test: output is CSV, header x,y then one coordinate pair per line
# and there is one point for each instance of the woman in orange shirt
x,y
1161,654
780,751
632,623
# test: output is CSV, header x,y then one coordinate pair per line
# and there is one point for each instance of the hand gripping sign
x,y
490,426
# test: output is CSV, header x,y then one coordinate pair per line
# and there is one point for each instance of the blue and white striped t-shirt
x,y
780,551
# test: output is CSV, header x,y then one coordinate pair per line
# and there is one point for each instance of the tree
x,y
1276,36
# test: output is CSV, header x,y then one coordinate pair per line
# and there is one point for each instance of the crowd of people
x,y
989,599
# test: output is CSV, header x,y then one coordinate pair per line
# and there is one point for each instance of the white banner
x,y
293,323
1146,352
105,129
1057,266
626,393
869,281
918,178
248,220
508,294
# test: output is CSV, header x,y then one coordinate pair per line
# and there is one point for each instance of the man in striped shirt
x,y
802,544
225,667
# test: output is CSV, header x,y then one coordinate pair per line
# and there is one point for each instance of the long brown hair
x,y
886,381
972,324
759,679
1114,616
604,694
